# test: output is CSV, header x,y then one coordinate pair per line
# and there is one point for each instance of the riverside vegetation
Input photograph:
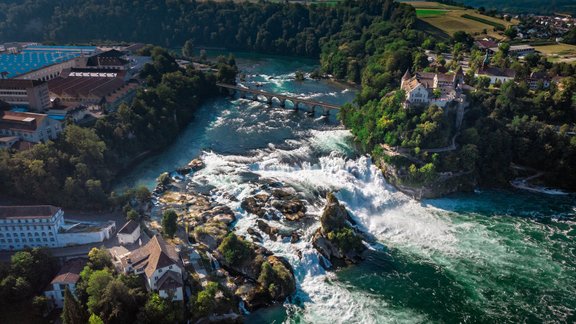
x,y
368,42
77,169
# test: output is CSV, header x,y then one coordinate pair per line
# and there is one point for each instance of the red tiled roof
x,y
129,227
19,84
21,121
154,255
41,211
70,272
170,280
494,71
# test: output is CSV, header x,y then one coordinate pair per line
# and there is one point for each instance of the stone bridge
x,y
270,97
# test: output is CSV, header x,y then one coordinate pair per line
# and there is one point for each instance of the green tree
x,y
97,283
188,49
72,312
95,319
99,259
235,249
205,302
169,222
158,309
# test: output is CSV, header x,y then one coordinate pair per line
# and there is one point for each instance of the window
x,y
170,267
159,270
51,239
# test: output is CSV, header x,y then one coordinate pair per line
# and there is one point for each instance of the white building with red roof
x,y
160,265
29,127
44,226
425,88
67,277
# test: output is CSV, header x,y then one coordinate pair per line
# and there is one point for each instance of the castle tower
x,y
459,77
405,78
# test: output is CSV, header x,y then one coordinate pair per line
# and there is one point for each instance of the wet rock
x,y
294,238
336,240
210,234
254,234
293,209
220,214
266,228
196,165
283,194
255,204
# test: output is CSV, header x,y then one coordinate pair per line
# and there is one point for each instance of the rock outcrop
x,y
336,239
279,201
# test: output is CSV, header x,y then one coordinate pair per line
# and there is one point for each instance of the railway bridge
x,y
270,97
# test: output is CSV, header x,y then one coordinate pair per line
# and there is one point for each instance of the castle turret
x,y
406,75
405,78
486,61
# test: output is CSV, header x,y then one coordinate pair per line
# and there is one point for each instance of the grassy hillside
x,y
449,19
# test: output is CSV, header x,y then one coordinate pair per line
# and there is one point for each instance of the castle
x,y
426,88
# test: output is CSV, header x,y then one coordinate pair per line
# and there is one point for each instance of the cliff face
x,y
336,239
445,184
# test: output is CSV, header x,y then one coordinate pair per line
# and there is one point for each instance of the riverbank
x,y
434,260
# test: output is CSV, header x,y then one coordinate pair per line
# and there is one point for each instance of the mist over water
x,y
490,256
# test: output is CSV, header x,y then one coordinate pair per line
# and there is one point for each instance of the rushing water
x,y
490,256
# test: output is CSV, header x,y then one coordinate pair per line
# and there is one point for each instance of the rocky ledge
x,y
277,202
248,272
336,239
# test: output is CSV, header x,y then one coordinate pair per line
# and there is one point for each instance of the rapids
x,y
490,256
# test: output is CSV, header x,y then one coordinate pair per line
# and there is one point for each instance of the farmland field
x,y
559,52
450,19
429,12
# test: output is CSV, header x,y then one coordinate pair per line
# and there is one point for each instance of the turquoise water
x,y
485,257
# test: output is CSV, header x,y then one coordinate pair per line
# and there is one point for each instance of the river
x,y
489,256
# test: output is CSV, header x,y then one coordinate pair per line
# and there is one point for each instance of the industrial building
x,y
27,94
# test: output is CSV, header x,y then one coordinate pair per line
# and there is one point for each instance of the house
x,y
29,127
486,44
432,88
44,226
67,277
538,79
496,75
8,142
129,233
160,265
29,94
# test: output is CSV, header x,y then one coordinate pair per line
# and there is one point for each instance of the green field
x,y
440,19
429,12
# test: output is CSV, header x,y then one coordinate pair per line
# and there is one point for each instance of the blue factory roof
x,y
38,56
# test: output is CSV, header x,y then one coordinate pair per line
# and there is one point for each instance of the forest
x,y
77,169
370,42
504,125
